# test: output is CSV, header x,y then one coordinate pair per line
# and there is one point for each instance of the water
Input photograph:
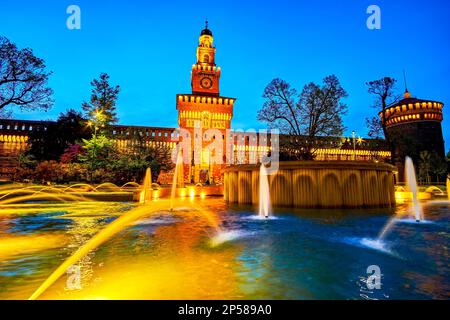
x,y
411,183
302,254
145,194
178,178
264,193
414,208
448,187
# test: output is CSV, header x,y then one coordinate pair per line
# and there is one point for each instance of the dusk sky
x,y
148,48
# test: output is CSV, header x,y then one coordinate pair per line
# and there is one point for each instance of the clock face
x,y
206,83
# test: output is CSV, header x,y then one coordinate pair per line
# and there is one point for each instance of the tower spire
x,y
206,23
406,94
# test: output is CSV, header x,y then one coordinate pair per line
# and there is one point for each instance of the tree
x,y
132,162
101,109
438,166
315,112
72,153
98,153
72,127
384,91
5,114
321,108
447,159
23,79
375,128
50,144
425,167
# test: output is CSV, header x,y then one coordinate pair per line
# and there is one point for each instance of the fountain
x,y
315,184
264,193
178,178
448,187
178,236
411,183
146,187
115,227
11,196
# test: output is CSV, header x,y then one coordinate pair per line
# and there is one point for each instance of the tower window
x,y
206,58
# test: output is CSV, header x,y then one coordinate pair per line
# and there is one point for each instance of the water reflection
x,y
302,254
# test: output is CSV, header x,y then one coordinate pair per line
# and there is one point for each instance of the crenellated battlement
x,y
413,111
198,99
209,68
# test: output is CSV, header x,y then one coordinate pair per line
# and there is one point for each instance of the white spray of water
x,y
264,193
411,183
177,178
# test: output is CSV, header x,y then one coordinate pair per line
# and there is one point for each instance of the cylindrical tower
x,y
413,125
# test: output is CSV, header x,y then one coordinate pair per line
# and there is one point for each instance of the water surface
x,y
296,254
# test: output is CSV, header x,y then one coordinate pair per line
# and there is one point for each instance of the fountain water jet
x,y
264,193
146,187
448,187
411,183
178,178
111,230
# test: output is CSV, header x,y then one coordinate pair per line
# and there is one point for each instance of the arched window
x,y
206,58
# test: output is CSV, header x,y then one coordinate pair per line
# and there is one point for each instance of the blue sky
x,y
148,48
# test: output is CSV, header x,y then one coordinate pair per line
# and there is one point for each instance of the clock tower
x,y
205,75
204,115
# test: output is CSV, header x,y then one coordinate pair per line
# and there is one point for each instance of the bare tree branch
x,y
23,79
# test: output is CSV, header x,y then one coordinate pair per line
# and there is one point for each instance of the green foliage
x,y
99,160
438,167
425,167
50,144
132,162
98,153
431,165
447,159
101,109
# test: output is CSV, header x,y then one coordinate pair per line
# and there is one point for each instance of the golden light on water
x,y
406,196
114,228
131,251
28,244
191,192
159,274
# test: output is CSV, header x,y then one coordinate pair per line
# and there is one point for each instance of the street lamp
x,y
354,144
97,121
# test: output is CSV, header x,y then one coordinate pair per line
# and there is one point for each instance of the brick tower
x,y
414,125
204,115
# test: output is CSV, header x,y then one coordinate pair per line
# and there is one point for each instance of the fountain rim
x,y
312,164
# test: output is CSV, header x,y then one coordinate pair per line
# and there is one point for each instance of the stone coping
x,y
331,164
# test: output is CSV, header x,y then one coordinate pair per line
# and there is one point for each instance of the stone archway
x,y
305,191
281,188
330,191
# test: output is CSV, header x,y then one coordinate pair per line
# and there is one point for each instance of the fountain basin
x,y
315,184
402,196
184,192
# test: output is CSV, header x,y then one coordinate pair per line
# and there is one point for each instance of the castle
x,y
413,125
208,142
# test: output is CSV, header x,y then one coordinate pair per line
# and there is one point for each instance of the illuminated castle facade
x,y
204,131
204,115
